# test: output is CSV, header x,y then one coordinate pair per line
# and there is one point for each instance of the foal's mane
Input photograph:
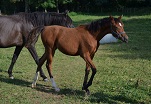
x,y
94,26
43,19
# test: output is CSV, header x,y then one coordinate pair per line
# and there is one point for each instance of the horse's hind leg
x,y
49,68
33,52
15,56
41,62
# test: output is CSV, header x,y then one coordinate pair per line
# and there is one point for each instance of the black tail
x,y
33,36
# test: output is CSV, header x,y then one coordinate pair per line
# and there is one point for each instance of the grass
x,y
123,71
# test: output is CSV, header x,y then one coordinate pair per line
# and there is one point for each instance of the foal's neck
x,y
102,32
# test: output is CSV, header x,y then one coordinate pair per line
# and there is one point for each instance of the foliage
x,y
13,6
48,3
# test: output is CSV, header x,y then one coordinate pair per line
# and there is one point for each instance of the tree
x,y
61,2
48,3
26,5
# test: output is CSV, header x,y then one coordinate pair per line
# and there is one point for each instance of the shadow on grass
x,y
15,81
1,70
64,91
98,97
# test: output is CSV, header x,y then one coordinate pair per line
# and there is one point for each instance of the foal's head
x,y
108,25
117,29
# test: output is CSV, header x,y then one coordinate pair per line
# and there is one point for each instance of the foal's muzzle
x,y
120,36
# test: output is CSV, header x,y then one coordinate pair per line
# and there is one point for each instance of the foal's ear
x,y
120,17
112,19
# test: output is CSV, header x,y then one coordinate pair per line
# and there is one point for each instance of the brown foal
x,y
82,40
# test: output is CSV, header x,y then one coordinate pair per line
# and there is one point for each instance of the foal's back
x,y
70,41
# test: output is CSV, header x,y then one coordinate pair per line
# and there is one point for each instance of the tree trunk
x,y
57,8
26,6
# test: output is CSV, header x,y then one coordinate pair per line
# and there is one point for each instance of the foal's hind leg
x,y
33,52
87,71
88,60
49,68
15,56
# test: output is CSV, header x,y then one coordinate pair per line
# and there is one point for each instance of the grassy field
x,y
123,71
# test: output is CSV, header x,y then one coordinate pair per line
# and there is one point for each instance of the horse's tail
x,y
33,36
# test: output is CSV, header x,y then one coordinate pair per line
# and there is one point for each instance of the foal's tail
x,y
33,36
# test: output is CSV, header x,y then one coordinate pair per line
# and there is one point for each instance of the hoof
x,y
57,89
33,85
45,80
87,92
11,77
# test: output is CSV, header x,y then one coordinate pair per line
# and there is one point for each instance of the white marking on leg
x,y
12,77
35,80
54,85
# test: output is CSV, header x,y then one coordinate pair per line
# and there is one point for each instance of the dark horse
x,y
14,31
82,40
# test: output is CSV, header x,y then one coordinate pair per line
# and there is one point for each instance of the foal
x,y
82,40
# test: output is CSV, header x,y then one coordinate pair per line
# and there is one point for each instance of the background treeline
x,y
14,6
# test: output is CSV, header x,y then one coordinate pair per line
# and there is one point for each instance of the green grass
x,y
119,67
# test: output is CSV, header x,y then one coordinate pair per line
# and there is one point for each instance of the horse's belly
x,y
10,41
68,50
68,45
